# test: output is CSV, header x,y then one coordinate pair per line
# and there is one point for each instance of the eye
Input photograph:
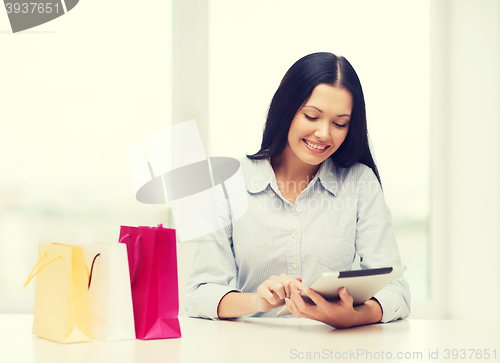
x,y
339,125
310,117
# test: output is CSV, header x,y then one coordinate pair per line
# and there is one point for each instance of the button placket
x,y
294,242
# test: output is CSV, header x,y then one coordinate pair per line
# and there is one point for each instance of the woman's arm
x,y
377,247
270,295
236,304
213,269
368,313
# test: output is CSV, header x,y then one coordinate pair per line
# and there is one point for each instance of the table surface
x,y
268,340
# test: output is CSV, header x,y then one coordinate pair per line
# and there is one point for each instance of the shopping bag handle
x,y
91,269
137,257
31,275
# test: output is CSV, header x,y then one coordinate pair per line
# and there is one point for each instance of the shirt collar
x,y
327,174
261,174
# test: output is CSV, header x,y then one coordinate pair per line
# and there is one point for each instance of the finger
x,y
315,297
280,290
265,293
292,307
345,297
301,305
275,287
271,298
299,279
301,286
286,281
286,286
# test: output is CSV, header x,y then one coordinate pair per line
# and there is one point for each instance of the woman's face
x,y
321,125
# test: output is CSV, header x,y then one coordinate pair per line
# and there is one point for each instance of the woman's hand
x,y
272,292
338,314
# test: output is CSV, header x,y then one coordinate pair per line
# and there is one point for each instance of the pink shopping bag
x,y
153,277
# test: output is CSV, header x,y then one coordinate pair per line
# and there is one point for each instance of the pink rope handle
x,y
137,260
125,236
137,257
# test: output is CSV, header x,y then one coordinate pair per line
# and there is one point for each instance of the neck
x,y
288,167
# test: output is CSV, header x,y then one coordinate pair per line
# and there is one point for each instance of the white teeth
x,y
315,146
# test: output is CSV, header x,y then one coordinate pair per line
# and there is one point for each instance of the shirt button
x,y
294,265
273,195
319,192
295,234
299,209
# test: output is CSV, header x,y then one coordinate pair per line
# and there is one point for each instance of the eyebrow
x,y
343,115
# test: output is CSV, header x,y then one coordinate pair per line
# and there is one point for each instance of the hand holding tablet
x,y
361,284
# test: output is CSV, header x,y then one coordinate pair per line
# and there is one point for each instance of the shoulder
x,y
257,173
251,167
356,172
361,171
247,163
357,177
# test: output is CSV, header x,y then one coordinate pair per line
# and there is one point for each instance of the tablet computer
x,y
361,284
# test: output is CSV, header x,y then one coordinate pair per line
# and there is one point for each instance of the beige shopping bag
x,y
62,310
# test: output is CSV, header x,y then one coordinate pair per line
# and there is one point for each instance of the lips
x,y
313,150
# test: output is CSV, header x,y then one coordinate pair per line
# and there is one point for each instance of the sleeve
x,y
213,269
376,245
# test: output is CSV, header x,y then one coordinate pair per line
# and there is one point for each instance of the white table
x,y
264,340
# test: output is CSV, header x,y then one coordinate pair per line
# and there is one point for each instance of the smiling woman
x,y
314,134
319,100
315,201
320,87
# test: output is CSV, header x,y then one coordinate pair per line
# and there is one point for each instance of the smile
x,y
316,146
317,149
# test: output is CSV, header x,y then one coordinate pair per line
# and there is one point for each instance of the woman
x,y
315,200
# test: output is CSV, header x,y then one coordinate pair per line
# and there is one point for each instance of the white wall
x,y
190,95
474,158
75,95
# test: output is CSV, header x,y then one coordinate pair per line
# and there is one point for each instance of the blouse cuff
x,y
391,309
208,307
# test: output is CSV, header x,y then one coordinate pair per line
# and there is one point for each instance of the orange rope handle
x,y
31,275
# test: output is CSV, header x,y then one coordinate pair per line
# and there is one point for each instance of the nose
x,y
322,131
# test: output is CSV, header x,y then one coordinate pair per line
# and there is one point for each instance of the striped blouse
x,y
339,214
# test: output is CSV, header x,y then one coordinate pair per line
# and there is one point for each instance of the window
x,y
387,42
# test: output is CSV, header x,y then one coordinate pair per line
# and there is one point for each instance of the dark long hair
x,y
294,91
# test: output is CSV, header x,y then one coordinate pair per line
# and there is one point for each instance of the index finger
x,y
300,285
315,297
